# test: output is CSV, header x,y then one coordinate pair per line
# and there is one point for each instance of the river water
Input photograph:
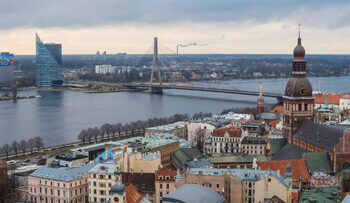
x,y
59,116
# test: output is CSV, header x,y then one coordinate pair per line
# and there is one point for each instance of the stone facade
x,y
138,163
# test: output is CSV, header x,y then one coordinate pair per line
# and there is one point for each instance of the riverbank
x,y
5,98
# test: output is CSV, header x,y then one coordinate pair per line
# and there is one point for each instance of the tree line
x,y
23,146
117,130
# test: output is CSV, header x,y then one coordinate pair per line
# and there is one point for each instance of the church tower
x,y
298,102
260,106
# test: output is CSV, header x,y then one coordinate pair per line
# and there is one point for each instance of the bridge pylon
x,y
155,64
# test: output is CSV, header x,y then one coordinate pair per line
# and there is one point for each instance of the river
x,y
59,116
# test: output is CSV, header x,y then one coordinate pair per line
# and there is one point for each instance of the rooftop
x,y
231,132
331,97
169,127
319,135
323,194
240,174
108,167
277,109
62,174
193,193
318,161
298,166
288,152
238,158
253,140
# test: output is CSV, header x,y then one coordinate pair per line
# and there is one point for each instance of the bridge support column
x,y
155,90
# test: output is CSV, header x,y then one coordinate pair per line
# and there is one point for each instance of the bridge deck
x,y
207,89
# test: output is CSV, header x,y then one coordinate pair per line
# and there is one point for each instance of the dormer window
x,y
167,177
160,177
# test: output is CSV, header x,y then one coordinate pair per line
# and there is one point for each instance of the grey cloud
x,y
92,13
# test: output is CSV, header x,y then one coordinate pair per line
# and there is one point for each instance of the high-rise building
x,y
7,68
48,64
298,102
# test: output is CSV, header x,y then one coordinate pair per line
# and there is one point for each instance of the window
x,y
167,186
101,176
109,177
269,179
161,194
161,186
217,185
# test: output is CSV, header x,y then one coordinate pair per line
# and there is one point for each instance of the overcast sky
x,y
217,26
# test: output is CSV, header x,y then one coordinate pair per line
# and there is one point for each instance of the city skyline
x,y
228,27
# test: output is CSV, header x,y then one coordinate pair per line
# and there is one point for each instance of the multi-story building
x,y
71,160
164,182
59,185
241,185
253,146
139,163
179,130
101,178
104,69
7,68
193,131
226,140
344,102
298,101
48,64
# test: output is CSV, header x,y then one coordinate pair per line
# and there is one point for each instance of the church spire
x,y
260,106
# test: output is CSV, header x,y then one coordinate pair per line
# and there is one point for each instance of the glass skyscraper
x,y
48,64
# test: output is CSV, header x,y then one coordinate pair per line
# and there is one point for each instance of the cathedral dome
x,y
298,87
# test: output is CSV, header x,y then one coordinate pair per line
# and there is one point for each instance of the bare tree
x,y
132,127
6,149
31,145
96,133
82,136
38,143
119,128
198,140
23,146
14,147
106,129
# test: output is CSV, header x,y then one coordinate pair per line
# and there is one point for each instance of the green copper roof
x,y
237,158
326,102
323,194
182,155
318,161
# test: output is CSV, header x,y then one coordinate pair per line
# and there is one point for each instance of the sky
x,y
217,26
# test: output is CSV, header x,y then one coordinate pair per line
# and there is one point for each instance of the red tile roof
x,y
277,109
295,196
164,172
232,131
274,123
332,98
299,169
132,194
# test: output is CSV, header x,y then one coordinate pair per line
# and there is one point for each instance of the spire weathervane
x,y
299,25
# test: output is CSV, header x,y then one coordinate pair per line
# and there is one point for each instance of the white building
x,y
344,102
193,127
104,69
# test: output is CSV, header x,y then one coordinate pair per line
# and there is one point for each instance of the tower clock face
x,y
302,91
288,91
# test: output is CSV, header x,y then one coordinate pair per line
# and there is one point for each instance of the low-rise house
x,y
300,174
144,183
236,161
344,102
71,160
239,185
179,130
227,140
185,158
253,146
101,178
321,179
254,128
139,163
59,184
